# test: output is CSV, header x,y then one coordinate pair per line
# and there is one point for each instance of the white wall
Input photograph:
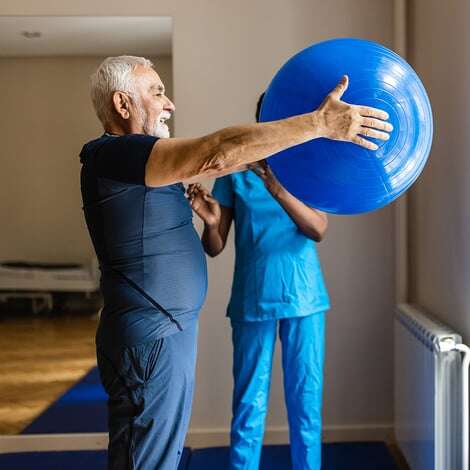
x,y
440,202
225,53
48,116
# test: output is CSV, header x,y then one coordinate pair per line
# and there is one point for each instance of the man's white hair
x,y
114,74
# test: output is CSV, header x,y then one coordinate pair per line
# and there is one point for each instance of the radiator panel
x,y
427,392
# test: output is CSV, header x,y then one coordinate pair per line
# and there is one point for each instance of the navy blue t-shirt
x,y
153,268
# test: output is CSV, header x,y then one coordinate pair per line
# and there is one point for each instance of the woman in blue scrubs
x,y
277,287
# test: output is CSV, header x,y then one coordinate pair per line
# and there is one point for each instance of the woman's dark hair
x,y
258,106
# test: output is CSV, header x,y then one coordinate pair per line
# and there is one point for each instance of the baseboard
x,y
53,442
196,438
205,437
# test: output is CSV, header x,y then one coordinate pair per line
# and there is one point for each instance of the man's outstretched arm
x,y
228,150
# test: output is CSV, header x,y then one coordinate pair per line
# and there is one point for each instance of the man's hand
x,y
205,206
228,150
338,120
263,170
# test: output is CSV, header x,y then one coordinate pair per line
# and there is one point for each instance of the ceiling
x,y
85,36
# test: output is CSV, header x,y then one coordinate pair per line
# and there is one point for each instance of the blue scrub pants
x,y
302,342
150,388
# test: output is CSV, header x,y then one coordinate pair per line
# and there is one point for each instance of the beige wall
x,y
224,54
242,51
50,116
440,202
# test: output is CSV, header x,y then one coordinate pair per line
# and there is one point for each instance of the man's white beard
x,y
156,129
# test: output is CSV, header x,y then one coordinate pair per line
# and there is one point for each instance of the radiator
x,y
431,392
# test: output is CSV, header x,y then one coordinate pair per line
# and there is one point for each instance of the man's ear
x,y
121,103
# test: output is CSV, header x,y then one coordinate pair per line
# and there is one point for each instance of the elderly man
x,y
153,270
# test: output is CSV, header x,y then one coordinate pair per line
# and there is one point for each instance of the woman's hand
x,y
205,206
263,170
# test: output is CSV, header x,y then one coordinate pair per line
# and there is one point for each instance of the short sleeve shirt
x,y
149,252
277,270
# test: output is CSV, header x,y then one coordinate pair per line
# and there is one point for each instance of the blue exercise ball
x,y
341,177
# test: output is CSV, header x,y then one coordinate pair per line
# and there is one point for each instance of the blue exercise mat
x,y
81,409
76,460
336,456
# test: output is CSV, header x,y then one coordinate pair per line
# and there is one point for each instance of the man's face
x,y
153,108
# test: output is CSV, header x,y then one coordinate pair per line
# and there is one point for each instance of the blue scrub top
x,y
277,270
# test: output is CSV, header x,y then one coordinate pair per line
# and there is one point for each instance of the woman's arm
x,y
311,222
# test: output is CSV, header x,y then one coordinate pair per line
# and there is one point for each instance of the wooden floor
x,y
40,358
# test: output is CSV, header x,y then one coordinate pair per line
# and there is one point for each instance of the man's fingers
x,y
377,124
368,111
368,132
364,143
342,86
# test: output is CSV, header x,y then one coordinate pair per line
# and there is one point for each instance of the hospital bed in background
x,y
38,281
